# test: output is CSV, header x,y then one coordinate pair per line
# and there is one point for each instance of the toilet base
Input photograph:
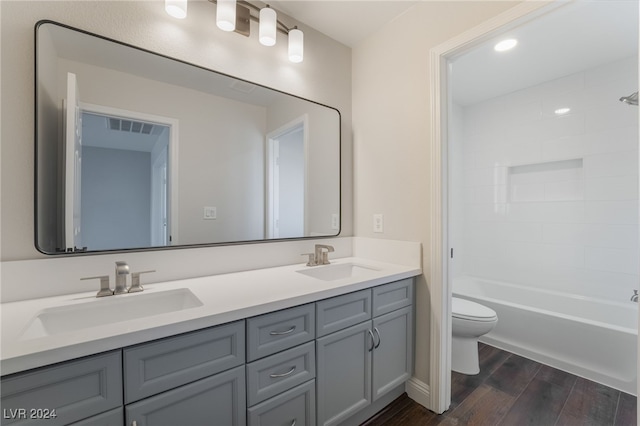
x,y
464,355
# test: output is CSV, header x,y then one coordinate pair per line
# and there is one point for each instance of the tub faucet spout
x,y
634,298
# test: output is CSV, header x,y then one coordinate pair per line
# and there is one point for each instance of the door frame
x,y
173,124
270,155
440,341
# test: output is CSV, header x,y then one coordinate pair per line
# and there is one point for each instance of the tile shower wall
x,y
551,200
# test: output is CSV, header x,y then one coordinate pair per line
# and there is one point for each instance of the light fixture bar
x,y
279,25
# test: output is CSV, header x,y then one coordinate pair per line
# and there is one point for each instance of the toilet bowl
x,y
470,321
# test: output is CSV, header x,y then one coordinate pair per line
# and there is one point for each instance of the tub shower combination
x,y
591,338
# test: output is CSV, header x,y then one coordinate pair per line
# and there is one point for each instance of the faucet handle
x,y
105,289
312,259
135,281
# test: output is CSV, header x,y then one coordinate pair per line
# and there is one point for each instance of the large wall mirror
x,y
136,150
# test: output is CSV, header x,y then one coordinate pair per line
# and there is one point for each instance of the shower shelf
x,y
559,180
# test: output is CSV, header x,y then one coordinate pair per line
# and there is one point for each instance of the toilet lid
x,y
466,309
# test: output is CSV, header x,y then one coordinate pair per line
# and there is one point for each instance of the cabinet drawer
x,y
110,418
75,390
155,367
269,376
293,407
342,311
216,400
277,331
389,297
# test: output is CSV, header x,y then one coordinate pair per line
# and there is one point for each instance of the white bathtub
x,y
591,338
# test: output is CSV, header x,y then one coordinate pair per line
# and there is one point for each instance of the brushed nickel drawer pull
x,y
379,338
373,340
282,333
288,373
293,423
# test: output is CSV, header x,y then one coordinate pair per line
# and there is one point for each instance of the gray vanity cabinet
x,y
110,418
154,367
280,378
344,373
63,393
295,407
196,378
215,400
359,364
393,353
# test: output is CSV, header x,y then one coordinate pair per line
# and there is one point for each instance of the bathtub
x,y
591,338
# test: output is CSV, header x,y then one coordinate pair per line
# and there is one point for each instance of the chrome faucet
x,y
634,298
322,254
122,270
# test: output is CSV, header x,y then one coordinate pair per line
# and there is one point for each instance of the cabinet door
x,y
151,368
63,393
295,407
110,418
393,353
216,400
343,373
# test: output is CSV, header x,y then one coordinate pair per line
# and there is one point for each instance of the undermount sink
x,y
337,271
108,310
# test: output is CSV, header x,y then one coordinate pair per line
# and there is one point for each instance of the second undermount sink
x,y
337,271
108,310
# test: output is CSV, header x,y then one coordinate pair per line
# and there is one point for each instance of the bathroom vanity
x,y
332,342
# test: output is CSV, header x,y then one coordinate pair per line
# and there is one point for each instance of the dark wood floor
x,y
512,390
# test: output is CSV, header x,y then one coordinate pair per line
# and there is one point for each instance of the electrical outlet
x,y
210,213
335,221
378,222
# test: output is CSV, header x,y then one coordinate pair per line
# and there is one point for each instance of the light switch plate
x,y
335,221
378,222
210,213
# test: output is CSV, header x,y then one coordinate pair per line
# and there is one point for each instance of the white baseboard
x,y
419,392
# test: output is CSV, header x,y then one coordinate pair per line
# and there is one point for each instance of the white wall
x,y
550,200
220,149
391,130
324,76
322,171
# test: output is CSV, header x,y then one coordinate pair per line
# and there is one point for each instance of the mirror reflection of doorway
x,y
286,180
124,182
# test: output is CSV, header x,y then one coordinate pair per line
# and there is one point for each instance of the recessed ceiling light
x,y
505,45
562,111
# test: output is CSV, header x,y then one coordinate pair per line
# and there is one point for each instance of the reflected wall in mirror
x,y
136,150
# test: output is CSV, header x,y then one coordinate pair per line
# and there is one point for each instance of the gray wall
x,y
116,198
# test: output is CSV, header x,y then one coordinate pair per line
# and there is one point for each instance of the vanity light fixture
x,y
226,15
268,23
235,15
562,111
505,45
176,8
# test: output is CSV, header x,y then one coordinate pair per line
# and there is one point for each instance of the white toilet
x,y
470,321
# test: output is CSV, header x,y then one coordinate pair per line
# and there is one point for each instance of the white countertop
x,y
225,298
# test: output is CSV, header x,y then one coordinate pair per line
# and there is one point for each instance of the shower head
x,y
631,99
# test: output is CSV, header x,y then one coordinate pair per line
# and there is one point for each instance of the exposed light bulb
x,y
505,45
226,15
176,8
268,22
562,111
296,45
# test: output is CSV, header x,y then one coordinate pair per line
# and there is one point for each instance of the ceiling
x,y
570,39
579,35
347,21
